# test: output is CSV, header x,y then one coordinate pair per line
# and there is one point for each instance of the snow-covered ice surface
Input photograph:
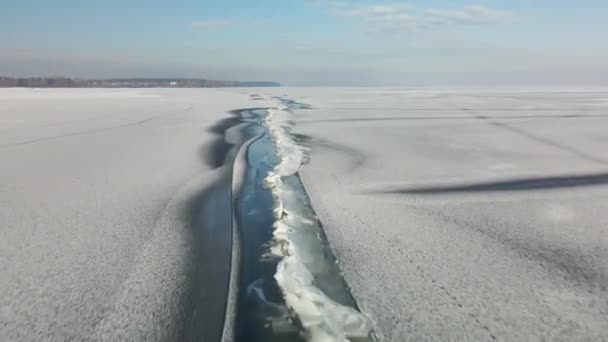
x,y
454,215
460,215
98,189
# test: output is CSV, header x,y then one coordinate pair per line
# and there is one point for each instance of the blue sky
x,y
311,42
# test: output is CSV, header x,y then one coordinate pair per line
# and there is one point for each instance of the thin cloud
x,y
211,24
469,15
376,11
407,17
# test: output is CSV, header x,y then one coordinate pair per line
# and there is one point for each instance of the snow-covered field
x,y
465,215
96,238
454,215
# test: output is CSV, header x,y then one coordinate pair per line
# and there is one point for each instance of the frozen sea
x,y
454,214
465,215
101,234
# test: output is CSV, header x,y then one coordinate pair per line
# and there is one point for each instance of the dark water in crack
x,y
261,312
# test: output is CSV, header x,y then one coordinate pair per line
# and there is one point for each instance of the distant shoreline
x,y
66,82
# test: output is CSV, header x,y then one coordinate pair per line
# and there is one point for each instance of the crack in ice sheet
x,y
321,317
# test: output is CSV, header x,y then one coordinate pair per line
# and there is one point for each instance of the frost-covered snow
x,y
96,193
455,215
464,215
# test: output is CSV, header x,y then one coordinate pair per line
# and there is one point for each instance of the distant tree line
x,y
65,82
